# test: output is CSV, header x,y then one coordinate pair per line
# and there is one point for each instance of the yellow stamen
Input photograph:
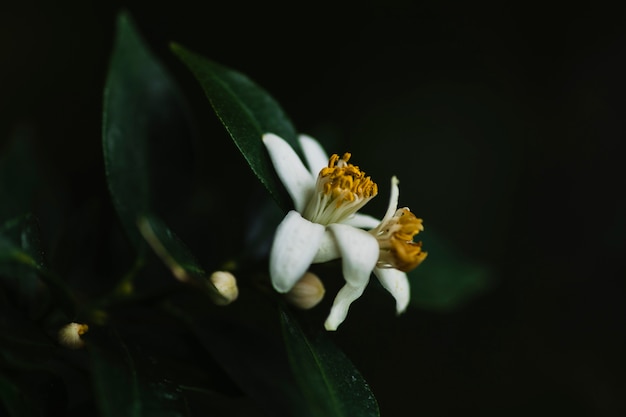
x,y
346,182
397,249
342,189
82,329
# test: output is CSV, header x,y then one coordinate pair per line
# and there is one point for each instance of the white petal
x,y
359,251
298,181
393,200
328,249
363,221
339,310
316,157
295,244
397,283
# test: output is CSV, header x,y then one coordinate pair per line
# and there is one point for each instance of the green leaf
x,y
447,280
22,280
21,257
113,369
15,401
19,179
23,344
331,384
146,134
121,391
247,112
176,256
253,359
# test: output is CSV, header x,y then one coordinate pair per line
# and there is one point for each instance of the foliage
x,y
158,344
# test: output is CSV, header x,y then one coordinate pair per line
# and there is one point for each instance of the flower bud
x,y
70,335
226,285
307,292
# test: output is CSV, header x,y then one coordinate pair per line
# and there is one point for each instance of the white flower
x,y
326,225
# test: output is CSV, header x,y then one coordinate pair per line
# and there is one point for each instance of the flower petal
x,y
359,251
362,221
397,283
328,249
316,157
393,201
298,181
295,244
339,310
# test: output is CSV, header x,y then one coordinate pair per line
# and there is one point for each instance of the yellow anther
x,y
341,190
333,160
397,248
82,329
344,181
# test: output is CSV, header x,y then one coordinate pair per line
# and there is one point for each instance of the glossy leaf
x,y
20,250
145,135
247,111
331,384
175,255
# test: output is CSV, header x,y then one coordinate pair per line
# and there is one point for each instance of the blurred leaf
x,y
446,280
250,357
23,344
146,134
247,112
121,391
175,255
23,256
19,179
330,382
23,281
16,403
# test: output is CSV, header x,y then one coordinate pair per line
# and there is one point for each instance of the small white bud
x,y
70,335
307,292
226,285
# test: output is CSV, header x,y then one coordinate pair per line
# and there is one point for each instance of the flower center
x,y
341,190
395,239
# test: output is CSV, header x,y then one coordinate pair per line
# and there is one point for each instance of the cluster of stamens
x,y
395,239
341,190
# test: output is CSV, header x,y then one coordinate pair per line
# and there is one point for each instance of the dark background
x,y
503,123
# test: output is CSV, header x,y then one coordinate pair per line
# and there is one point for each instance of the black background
x,y
503,122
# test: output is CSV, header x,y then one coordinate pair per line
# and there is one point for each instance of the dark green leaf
x,y
21,261
121,391
23,344
330,382
23,281
175,255
113,369
19,179
250,357
446,280
15,401
247,112
146,134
